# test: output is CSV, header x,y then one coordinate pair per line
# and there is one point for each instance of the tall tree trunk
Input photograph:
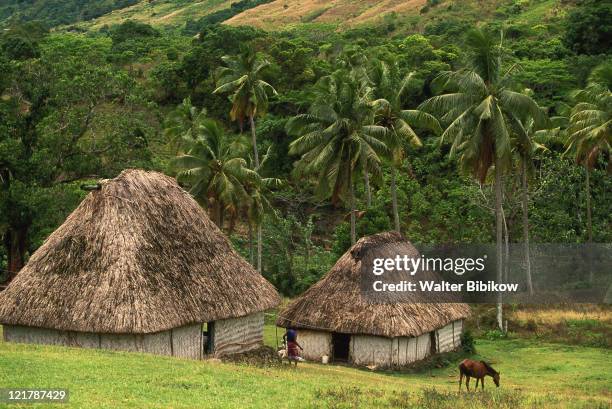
x,y
259,246
506,246
589,220
588,204
352,199
366,178
307,259
15,241
256,158
394,199
254,140
251,252
525,205
499,238
218,218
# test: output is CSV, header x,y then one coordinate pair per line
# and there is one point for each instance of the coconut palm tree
x,y
527,141
183,123
216,170
354,59
249,93
336,137
590,128
476,107
259,205
390,88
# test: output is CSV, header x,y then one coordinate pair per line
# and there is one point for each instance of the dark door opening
x,y
433,342
208,338
341,346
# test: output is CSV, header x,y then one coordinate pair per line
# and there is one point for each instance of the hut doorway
x,y
208,338
341,346
433,343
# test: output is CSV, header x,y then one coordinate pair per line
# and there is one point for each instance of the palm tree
x,y
527,141
390,88
214,167
183,123
590,128
241,78
476,108
336,135
259,205
354,59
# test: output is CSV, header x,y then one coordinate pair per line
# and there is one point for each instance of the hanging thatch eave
x,y
137,256
336,304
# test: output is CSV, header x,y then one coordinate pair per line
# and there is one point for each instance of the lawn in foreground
x,y
533,375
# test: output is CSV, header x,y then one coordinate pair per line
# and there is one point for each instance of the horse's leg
x,y
476,388
460,379
467,382
482,383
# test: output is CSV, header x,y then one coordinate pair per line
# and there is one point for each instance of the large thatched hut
x,y
335,319
138,266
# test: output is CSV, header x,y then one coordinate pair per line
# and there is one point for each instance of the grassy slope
x,y
349,12
544,374
281,14
161,13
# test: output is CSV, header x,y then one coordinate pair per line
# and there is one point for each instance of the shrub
x,y
495,334
468,345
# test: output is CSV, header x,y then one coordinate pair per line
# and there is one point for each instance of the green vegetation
x,y
80,106
196,26
533,375
430,119
589,27
336,139
581,325
58,12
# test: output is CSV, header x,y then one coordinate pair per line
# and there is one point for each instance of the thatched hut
x,y
335,319
138,266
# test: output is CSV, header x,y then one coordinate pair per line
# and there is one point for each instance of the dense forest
x,y
59,12
300,140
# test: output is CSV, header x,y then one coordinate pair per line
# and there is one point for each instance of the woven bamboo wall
x,y
238,334
187,341
448,338
458,331
33,335
315,344
371,350
407,350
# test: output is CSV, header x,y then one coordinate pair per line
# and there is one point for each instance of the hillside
x,y
397,15
58,12
273,15
286,12
403,16
162,13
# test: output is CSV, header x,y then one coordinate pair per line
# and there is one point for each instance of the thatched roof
x,y
336,303
137,256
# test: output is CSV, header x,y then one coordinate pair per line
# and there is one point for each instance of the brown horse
x,y
478,370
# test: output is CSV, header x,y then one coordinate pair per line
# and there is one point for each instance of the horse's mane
x,y
489,368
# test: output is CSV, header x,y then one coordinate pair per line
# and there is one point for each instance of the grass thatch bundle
x,y
336,303
137,256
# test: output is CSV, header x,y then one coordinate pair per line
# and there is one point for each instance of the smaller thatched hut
x,y
335,319
138,266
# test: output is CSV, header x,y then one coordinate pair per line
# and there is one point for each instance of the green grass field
x,y
534,374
